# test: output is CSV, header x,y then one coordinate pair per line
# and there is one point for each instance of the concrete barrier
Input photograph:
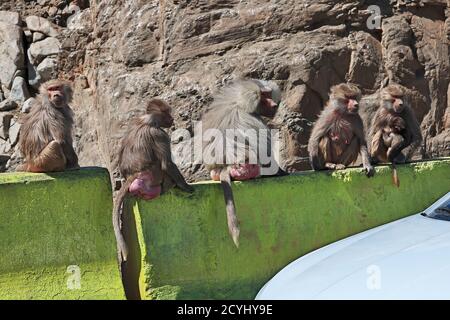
x,y
57,242
56,236
184,250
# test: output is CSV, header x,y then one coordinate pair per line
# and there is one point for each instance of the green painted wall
x,y
180,244
186,252
49,222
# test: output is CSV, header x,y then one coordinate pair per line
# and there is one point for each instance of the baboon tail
x,y
233,223
395,178
117,219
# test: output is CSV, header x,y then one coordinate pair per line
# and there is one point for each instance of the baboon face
x,y
268,106
347,97
393,103
351,103
393,99
399,125
166,119
56,95
57,92
161,112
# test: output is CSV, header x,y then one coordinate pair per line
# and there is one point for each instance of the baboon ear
x,y
155,123
155,120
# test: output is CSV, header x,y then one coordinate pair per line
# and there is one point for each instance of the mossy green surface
x,y
50,223
186,252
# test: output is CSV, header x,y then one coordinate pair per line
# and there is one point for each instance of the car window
x,y
442,212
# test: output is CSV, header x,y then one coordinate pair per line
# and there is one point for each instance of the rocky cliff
x,y
119,53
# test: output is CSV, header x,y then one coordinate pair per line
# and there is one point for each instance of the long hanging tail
x,y
395,178
233,223
117,219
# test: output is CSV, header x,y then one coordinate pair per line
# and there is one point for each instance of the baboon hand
x,y
370,171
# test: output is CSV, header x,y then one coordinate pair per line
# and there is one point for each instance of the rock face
x,y
182,52
122,53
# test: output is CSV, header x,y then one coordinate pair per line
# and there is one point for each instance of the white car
x,y
405,259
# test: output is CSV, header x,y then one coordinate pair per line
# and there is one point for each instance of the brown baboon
x,y
393,114
238,108
46,133
394,131
392,134
338,135
145,161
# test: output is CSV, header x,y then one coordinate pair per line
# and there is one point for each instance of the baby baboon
x,y
392,135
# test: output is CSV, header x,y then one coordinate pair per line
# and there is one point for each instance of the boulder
x,y
27,105
10,17
14,132
38,36
40,50
33,78
43,72
5,147
5,91
28,35
5,124
12,55
80,21
52,11
7,105
71,9
39,24
47,68
3,159
19,90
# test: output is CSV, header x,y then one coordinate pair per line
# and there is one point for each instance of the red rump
x,y
239,172
142,187
245,172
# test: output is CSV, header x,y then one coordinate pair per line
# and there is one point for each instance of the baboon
x,y
394,130
393,114
392,135
46,133
145,161
338,135
238,108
